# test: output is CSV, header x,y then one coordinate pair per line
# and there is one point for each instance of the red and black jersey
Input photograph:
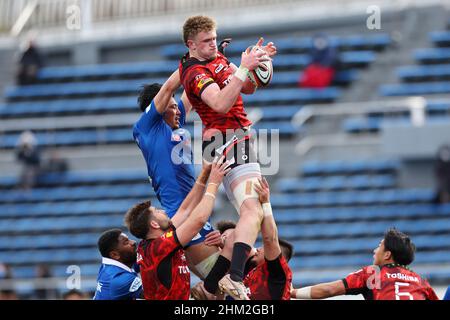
x,y
164,270
388,282
270,280
196,76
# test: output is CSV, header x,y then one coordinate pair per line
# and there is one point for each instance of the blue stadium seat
x,y
440,38
420,88
423,73
348,167
294,44
432,55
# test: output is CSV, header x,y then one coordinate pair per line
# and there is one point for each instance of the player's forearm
x,y
320,291
227,96
196,193
166,92
269,231
203,210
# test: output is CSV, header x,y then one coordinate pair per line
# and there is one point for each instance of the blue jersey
x,y
168,156
447,294
116,281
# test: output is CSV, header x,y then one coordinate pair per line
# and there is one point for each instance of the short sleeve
x,y
431,295
197,79
126,286
165,245
183,112
149,119
356,282
447,294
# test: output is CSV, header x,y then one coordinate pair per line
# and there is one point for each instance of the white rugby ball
x,y
262,75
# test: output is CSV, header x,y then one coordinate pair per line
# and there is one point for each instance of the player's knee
x,y
255,214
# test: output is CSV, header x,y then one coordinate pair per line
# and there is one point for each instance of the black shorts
x,y
238,145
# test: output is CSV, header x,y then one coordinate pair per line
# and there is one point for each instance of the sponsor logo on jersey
x,y
401,276
169,234
204,82
137,283
219,68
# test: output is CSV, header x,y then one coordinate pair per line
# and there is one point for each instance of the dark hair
x,y
108,241
224,225
400,246
71,292
137,219
287,249
147,94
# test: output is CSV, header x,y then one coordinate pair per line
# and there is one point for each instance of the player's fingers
x,y
265,183
226,171
260,42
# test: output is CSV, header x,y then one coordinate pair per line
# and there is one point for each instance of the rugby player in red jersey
x,y
160,255
388,279
269,276
213,86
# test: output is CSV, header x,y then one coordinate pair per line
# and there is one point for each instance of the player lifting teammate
x,y
213,86
164,271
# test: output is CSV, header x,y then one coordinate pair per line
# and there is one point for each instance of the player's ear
x,y
387,255
154,224
114,254
190,44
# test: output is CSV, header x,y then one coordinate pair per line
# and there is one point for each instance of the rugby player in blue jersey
x,y
117,278
159,134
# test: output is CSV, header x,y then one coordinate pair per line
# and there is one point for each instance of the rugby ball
x,y
262,75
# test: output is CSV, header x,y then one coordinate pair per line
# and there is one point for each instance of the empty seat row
x,y
363,125
82,178
346,198
158,68
116,104
336,246
60,224
421,73
295,44
116,135
349,167
363,228
432,55
417,88
132,86
440,38
367,213
360,260
142,189
335,183
26,242
70,208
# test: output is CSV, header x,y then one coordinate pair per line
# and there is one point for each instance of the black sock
x,y
241,252
217,272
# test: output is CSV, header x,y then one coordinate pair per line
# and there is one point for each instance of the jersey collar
x,y
116,263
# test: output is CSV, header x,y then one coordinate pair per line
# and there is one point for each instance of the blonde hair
x,y
196,24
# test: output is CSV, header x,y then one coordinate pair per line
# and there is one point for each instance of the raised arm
x,y
319,291
187,104
193,197
269,231
199,216
166,92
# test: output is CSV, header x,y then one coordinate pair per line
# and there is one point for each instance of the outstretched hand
x,y
269,48
214,238
263,190
219,169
